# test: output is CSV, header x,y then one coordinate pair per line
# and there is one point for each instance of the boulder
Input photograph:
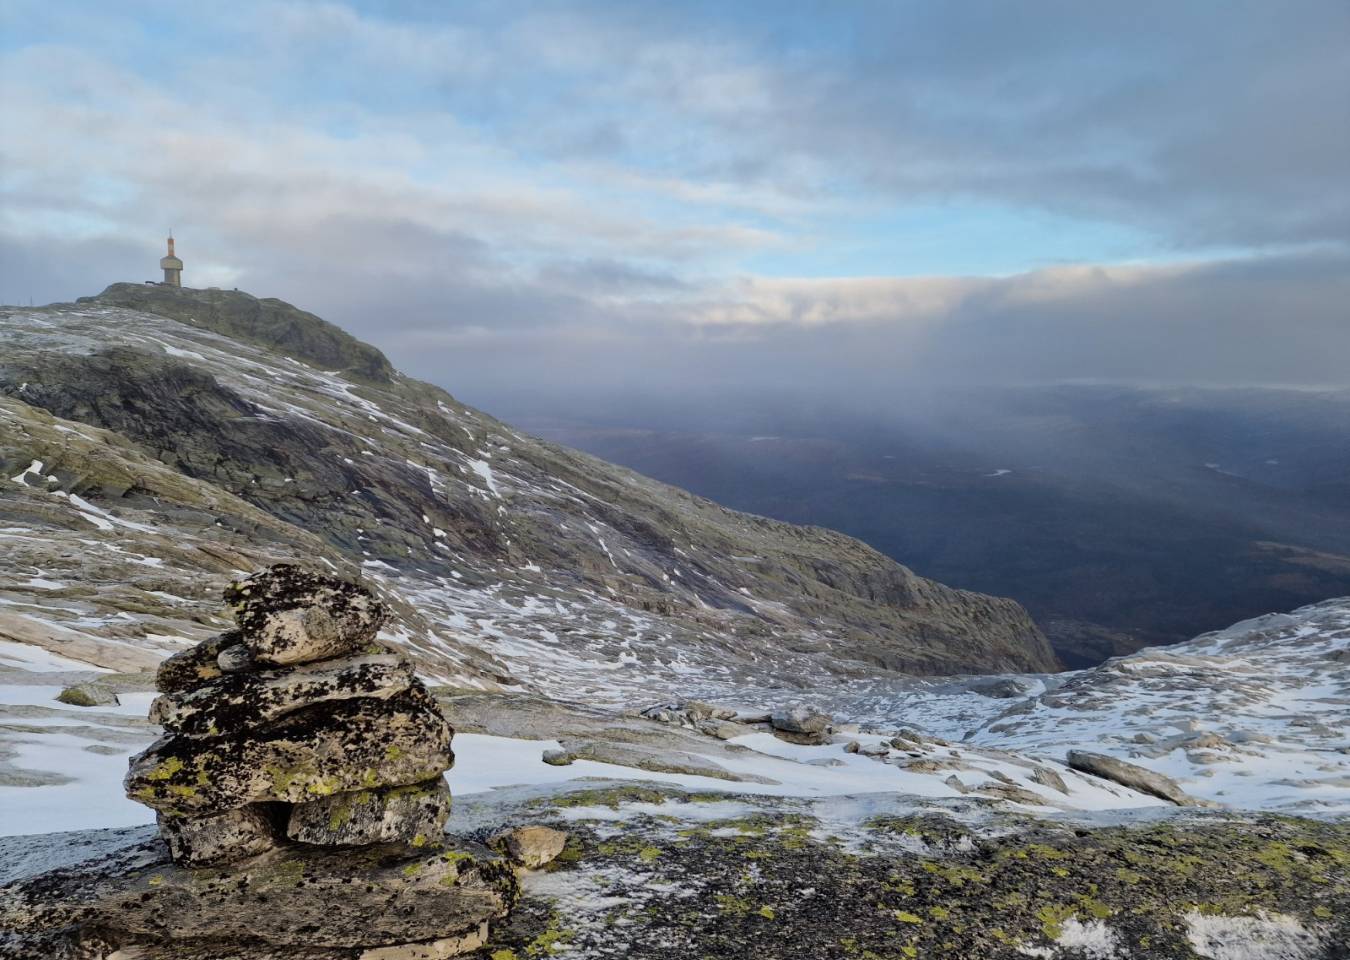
x,y
315,752
242,701
220,838
799,718
196,665
88,695
531,846
290,615
557,758
297,896
1133,776
413,814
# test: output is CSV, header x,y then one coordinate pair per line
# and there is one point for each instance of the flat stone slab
x,y
242,701
289,615
295,896
315,752
413,814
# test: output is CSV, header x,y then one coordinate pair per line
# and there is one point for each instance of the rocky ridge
x,y
155,443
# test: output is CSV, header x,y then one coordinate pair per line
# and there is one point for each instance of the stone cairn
x,y
300,794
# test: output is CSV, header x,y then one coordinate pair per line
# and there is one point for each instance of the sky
x,y
542,198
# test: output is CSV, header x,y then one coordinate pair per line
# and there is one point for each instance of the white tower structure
x,y
172,267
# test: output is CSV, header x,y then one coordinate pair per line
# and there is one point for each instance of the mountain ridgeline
x,y
156,440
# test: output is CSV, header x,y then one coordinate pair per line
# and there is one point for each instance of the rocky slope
x,y
155,441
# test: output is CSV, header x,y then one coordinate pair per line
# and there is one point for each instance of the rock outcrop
x,y
1133,776
219,432
299,794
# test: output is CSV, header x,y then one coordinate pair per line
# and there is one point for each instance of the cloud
x,y
649,193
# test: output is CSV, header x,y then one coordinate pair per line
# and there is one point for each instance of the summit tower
x,y
172,267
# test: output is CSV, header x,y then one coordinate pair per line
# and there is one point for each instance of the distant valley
x,y
1120,517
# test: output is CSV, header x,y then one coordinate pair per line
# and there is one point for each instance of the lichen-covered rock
x,y
88,695
1133,776
290,615
221,838
315,752
413,814
243,701
298,896
531,846
194,666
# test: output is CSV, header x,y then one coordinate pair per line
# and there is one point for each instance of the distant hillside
x,y
1119,517
159,440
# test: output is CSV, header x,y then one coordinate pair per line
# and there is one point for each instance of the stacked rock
x,y
302,762
296,725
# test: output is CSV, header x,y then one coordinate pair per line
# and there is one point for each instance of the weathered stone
x,y
531,846
722,729
194,666
431,950
1010,792
315,752
799,719
289,615
236,659
298,896
88,695
557,758
243,701
1048,778
1133,776
413,814
221,838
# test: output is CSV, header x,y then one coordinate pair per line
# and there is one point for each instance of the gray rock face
x,y
240,701
289,615
314,752
296,896
414,815
1133,776
195,666
221,838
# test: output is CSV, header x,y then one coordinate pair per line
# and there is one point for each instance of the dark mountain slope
x,y
514,559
